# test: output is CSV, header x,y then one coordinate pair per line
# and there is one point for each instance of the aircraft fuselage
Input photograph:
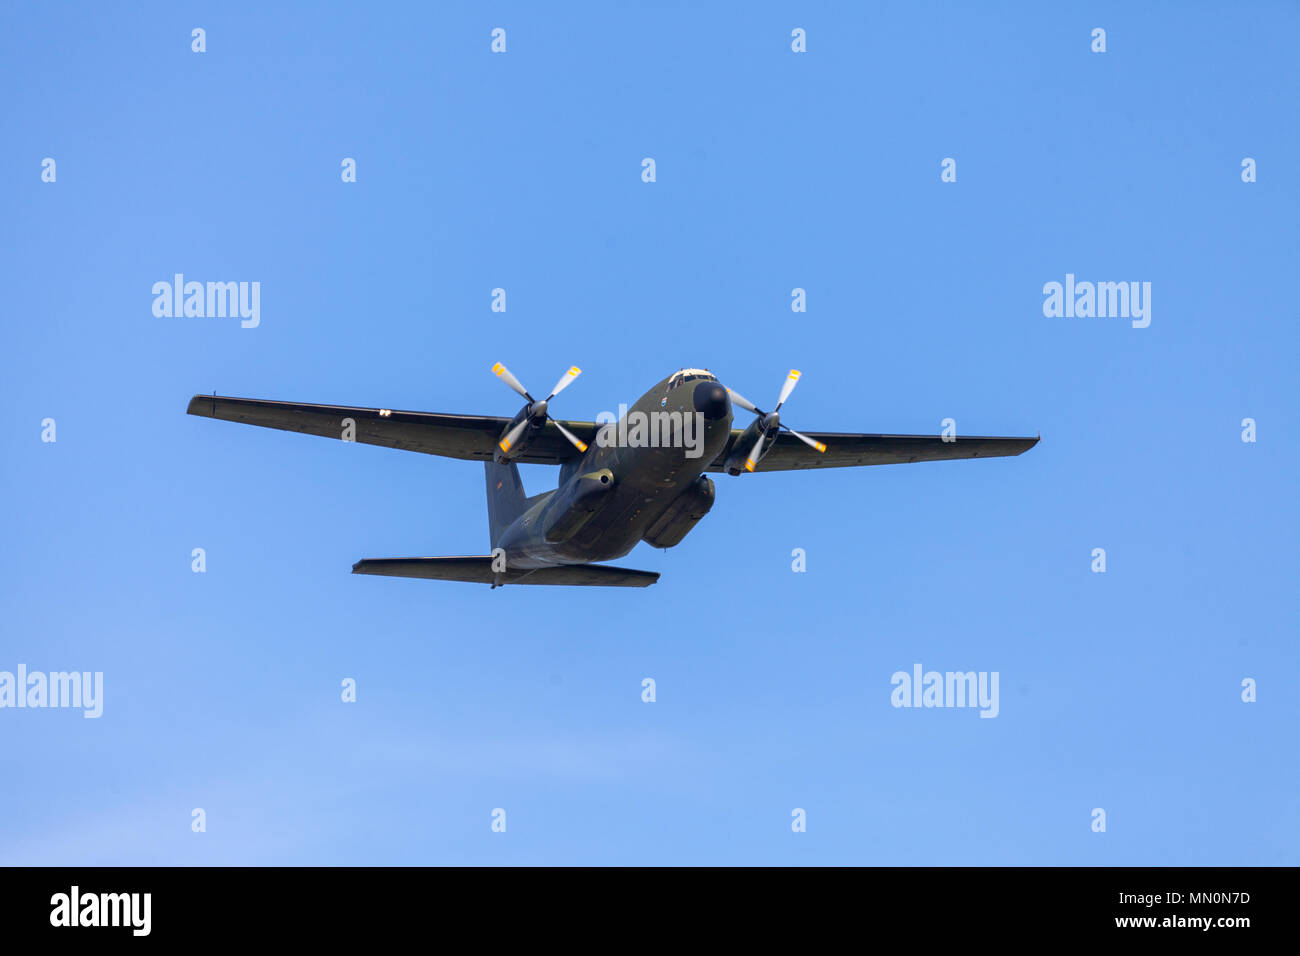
x,y
622,490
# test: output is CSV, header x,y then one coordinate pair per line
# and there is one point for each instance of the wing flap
x,y
478,569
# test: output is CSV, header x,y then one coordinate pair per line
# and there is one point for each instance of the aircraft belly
x,y
616,528
645,486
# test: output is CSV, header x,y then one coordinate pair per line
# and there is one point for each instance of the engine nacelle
x,y
535,426
743,448
682,515
575,503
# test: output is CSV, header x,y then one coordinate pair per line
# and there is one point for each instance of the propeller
x,y
771,421
536,411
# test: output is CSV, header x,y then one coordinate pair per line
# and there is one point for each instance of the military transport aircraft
x,y
640,478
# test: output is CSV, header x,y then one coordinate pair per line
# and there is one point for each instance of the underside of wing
x,y
849,450
478,569
431,433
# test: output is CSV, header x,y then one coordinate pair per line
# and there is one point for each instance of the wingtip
x,y
204,405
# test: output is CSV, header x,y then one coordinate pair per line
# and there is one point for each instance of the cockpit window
x,y
681,378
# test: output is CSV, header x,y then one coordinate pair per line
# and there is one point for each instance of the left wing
x,y
452,436
847,450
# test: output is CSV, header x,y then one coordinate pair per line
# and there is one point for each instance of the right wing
x,y
452,436
848,450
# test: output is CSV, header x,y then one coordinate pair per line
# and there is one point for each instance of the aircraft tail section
x,y
506,500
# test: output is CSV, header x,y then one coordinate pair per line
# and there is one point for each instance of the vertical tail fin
x,y
506,500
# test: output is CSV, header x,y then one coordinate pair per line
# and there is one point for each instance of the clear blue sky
x,y
775,170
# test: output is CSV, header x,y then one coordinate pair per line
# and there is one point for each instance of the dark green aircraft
x,y
640,478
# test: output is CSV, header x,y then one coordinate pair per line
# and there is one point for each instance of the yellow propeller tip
x,y
504,445
821,447
582,446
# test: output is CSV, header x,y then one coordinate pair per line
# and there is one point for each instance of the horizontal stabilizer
x,y
478,569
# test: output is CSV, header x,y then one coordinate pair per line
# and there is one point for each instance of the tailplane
x,y
506,501
478,569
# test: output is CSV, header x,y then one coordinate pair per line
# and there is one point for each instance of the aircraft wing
x,y
848,450
452,436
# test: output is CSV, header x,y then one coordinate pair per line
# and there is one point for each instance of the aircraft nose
x,y
711,400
